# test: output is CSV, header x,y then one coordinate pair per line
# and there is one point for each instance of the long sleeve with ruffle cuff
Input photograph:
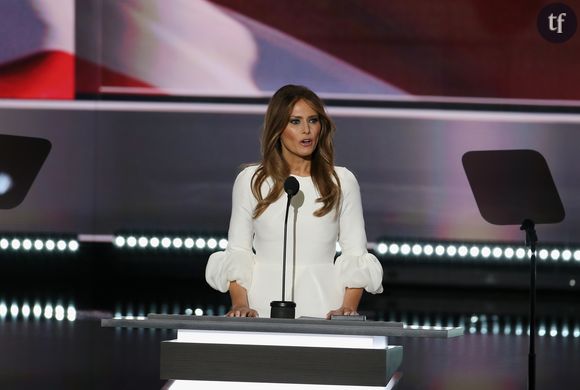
x,y
363,271
227,266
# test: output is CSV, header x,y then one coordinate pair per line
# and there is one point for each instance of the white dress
x,y
313,279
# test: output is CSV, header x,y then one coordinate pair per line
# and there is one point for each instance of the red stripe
x,y
46,75
91,76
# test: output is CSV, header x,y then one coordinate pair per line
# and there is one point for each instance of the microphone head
x,y
291,186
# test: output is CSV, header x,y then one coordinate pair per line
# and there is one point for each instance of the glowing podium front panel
x,y
279,358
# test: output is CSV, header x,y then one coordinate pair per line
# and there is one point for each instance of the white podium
x,y
254,353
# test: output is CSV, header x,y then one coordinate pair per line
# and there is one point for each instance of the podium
x,y
212,351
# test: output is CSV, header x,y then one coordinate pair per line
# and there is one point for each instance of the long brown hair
x,y
274,166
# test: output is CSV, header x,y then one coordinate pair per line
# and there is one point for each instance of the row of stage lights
x,y
39,245
37,312
472,251
143,242
383,249
479,324
473,323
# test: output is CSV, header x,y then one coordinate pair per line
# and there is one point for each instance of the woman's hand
x,y
240,305
241,311
342,311
349,303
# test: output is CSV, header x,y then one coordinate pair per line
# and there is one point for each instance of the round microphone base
x,y
282,309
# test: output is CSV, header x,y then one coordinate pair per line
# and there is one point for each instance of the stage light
x,y
4,244
50,245
497,252
572,282
485,252
38,245
417,249
15,244
451,250
142,242
177,243
565,331
200,243
576,332
474,319
382,248
26,244
61,245
508,252
439,250
542,331
154,242
48,311
566,255
120,241
553,331
428,249
73,245
25,310
577,255
166,242
223,243
3,310
189,243
543,254
520,253
507,330
462,251
405,249
198,312
519,330
212,243
474,251
131,241
555,254
37,311
394,249
14,310
59,313
188,311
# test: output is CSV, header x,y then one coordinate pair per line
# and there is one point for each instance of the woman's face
x,y
300,137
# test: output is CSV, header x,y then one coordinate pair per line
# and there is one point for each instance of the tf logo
x,y
557,22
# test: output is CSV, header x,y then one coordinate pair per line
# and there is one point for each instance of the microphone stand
x,y
531,240
284,308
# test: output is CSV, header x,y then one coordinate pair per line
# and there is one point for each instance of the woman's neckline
x,y
300,177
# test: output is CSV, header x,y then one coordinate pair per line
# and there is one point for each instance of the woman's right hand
x,y
241,311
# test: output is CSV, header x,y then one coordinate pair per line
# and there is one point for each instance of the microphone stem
x,y
284,254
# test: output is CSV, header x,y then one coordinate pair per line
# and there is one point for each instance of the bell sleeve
x,y
236,262
356,267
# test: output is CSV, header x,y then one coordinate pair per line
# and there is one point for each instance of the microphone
x,y
291,186
284,308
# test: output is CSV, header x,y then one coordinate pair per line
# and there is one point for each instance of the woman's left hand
x,y
342,311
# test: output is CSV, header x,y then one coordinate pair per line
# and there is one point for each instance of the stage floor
x,y
48,354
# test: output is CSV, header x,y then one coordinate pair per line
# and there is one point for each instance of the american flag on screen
x,y
37,49
60,48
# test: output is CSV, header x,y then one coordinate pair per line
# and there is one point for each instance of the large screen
x,y
345,49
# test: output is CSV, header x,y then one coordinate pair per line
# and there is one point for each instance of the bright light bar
x,y
16,244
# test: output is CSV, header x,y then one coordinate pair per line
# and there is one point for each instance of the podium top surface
x,y
279,325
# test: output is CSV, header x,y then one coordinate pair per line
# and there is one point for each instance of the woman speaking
x,y
297,140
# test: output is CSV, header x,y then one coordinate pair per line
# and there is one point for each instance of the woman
x,y
296,140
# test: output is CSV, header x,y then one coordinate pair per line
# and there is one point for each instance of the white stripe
x,y
260,109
